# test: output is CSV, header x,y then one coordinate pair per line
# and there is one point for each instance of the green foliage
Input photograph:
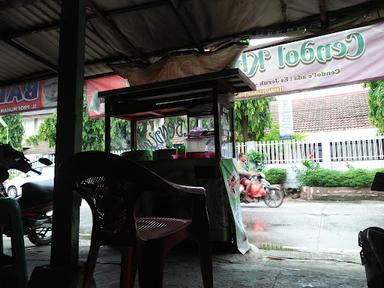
x,y
120,134
299,136
273,134
310,164
93,132
168,144
142,130
257,159
376,103
47,130
276,175
180,149
14,132
252,117
33,140
355,178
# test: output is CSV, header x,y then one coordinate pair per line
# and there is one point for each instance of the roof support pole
x,y
65,243
64,270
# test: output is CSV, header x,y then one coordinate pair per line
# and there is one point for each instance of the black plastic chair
x,y
111,185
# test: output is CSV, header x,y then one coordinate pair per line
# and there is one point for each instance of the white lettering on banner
x,y
18,93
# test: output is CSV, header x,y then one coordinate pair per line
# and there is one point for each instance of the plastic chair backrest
x,y
10,218
111,186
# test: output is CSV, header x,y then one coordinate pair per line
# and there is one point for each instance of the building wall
x,y
33,120
344,135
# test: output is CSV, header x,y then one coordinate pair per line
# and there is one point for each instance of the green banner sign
x,y
232,182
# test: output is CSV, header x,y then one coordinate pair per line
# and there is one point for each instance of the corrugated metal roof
x,y
15,64
137,30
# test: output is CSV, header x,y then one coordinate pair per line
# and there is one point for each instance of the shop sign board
x,y
345,57
28,96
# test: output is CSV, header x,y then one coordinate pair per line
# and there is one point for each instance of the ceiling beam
x,y
32,55
284,10
121,38
54,25
47,74
323,14
191,34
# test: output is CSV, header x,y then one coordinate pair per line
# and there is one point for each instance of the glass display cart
x,y
183,129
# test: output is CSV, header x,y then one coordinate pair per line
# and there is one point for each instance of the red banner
x,y
37,95
94,86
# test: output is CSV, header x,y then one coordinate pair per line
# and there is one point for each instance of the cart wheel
x,y
274,197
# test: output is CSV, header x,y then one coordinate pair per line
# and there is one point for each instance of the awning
x,y
139,32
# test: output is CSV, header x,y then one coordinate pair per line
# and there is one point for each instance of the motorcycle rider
x,y
252,189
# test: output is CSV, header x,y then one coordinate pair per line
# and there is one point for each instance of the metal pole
x,y
107,117
232,127
216,123
133,135
65,242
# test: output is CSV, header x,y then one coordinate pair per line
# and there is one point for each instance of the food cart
x,y
183,129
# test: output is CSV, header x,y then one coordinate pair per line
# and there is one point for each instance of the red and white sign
x,y
28,96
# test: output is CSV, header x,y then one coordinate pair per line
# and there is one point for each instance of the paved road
x,y
309,226
312,226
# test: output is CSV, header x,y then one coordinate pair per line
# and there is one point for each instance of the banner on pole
x,y
345,57
232,183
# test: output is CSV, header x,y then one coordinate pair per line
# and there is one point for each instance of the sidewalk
x,y
277,269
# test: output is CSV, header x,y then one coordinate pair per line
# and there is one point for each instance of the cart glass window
x,y
120,134
160,133
201,134
226,132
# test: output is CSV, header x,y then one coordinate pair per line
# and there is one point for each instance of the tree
x,y
93,132
273,134
120,134
252,117
376,103
47,130
14,132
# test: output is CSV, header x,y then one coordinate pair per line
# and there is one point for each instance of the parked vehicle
x,y
13,186
274,197
371,241
36,200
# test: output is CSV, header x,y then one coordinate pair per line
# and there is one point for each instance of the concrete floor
x,y
280,268
258,268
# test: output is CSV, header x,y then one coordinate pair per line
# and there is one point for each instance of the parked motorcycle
x,y
36,200
371,241
274,197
